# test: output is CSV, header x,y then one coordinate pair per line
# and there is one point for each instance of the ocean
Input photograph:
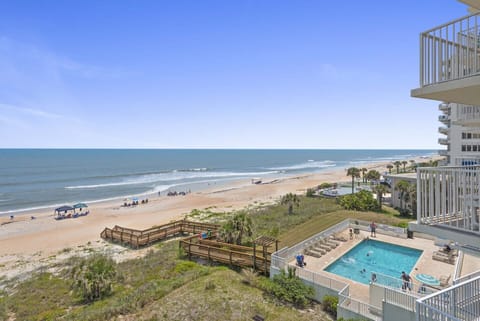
x,y
33,179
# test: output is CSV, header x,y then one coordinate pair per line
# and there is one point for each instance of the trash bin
x,y
409,234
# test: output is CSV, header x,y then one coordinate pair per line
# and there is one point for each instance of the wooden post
x,y
265,258
254,256
276,245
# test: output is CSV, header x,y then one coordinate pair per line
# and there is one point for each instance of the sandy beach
x,y
33,240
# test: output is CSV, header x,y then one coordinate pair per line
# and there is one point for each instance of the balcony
x,y
443,130
450,62
459,302
443,152
444,107
448,202
444,119
468,115
443,141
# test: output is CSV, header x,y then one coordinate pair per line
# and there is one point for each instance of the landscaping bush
x,y
310,192
330,303
289,288
361,201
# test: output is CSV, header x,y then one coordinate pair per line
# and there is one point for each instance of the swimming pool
x,y
374,256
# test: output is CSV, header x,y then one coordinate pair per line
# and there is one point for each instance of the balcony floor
x,y
464,91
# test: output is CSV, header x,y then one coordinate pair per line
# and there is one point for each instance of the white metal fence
x,y
450,51
459,302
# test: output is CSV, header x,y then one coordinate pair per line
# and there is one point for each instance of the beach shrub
x,y
289,288
291,200
330,303
325,185
310,192
361,201
93,277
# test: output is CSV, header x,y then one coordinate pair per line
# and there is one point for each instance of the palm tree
x,y
404,163
355,173
397,165
236,228
380,190
403,187
364,171
291,200
373,175
390,166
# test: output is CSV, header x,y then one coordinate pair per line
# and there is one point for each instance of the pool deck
x,y
425,263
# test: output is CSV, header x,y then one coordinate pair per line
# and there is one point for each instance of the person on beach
x,y
373,228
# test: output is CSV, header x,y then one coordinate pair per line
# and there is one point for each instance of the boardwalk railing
x,y
137,238
234,255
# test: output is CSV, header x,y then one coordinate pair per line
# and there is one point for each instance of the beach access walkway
x,y
138,238
202,244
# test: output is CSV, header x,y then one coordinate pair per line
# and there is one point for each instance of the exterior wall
x,y
347,314
395,199
392,312
457,156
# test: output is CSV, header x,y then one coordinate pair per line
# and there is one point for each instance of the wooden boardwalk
x,y
231,254
196,245
138,238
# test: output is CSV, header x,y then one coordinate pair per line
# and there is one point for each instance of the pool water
x,y
375,256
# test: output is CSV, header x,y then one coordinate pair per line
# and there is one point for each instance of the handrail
x,y
450,51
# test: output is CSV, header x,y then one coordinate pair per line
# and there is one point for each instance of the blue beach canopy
x,y
64,208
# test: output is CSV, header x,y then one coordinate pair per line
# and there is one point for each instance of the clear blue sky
x,y
216,74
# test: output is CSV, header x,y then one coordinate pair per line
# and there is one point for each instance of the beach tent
x,y
80,206
61,212
64,208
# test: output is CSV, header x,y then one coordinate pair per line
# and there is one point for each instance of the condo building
x,y
448,197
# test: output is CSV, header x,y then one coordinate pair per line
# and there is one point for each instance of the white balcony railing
x,y
443,141
443,152
445,107
460,302
444,118
468,114
451,51
443,130
449,197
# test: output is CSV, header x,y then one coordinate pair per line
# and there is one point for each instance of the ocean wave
x,y
170,177
307,165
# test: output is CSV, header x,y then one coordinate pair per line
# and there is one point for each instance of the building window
x,y
469,148
464,148
474,148
464,135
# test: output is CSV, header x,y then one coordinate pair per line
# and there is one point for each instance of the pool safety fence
x,y
415,288
467,277
348,304
458,267
323,284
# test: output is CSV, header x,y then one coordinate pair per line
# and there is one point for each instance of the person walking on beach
x,y
373,228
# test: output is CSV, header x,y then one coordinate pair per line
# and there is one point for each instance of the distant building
x,y
394,179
